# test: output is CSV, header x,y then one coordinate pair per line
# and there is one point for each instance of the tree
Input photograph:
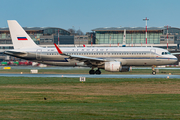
x,y
72,31
79,32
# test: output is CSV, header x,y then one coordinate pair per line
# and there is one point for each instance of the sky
x,y
87,15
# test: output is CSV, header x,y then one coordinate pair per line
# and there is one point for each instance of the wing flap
x,y
83,58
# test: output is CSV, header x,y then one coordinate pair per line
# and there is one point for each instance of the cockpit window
x,y
166,53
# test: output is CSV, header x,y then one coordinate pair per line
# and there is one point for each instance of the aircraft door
x,y
38,54
153,54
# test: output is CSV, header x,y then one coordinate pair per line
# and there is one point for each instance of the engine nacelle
x,y
116,67
113,66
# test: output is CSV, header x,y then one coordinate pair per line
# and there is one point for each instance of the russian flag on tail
x,y
22,38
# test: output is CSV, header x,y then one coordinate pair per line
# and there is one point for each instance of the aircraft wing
x,y
86,60
15,53
83,58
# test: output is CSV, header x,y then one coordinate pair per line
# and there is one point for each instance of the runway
x,y
91,76
67,68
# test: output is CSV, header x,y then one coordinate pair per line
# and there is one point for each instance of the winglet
x,y
59,51
84,45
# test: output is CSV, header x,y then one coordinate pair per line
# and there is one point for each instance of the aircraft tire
x,y
91,72
154,72
98,72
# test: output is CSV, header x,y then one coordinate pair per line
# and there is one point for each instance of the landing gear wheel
x,y
154,72
98,72
91,72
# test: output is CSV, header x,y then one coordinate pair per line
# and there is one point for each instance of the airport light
x,y
146,29
58,37
91,40
167,37
110,41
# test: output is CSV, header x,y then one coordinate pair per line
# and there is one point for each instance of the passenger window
x,y
162,53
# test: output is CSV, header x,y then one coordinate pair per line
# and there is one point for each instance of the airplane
x,y
108,58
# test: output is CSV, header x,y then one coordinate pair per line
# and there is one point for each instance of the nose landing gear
x,y
153,70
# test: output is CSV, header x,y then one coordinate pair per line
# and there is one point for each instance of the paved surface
x,y
64,68
90,76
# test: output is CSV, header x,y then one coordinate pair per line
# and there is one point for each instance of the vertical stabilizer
x,y
20,38
124,39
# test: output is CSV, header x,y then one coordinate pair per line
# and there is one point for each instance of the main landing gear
x,y
92,72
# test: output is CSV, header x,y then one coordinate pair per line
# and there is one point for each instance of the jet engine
x,y
115,67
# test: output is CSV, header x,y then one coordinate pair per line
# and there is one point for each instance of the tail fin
x,y
19,37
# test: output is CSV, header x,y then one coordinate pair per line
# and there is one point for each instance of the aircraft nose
x,y
175,58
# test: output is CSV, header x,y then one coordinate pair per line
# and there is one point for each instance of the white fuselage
x,y
129,56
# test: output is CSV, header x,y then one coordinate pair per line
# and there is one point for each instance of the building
x,y
137,35
173,36
80,40
41,36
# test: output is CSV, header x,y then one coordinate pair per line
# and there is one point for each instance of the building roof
x,y
34,29
127,28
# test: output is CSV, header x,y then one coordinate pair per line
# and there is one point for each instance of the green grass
x,y
97,98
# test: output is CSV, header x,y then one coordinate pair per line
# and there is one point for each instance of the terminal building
x,y
137,36
41,36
